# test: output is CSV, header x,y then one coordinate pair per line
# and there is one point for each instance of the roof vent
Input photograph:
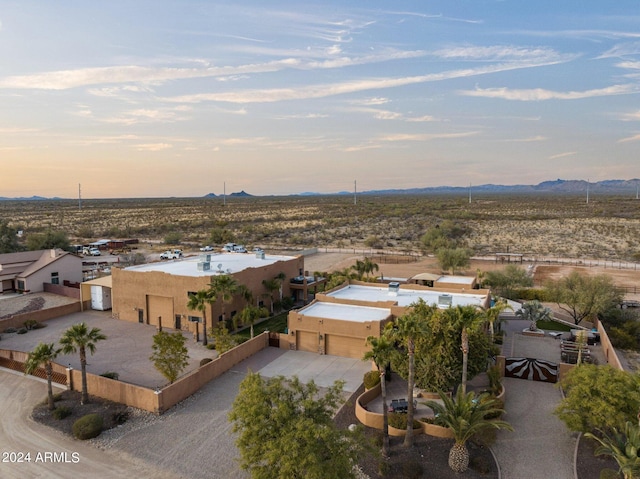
x,y
260,254
394,287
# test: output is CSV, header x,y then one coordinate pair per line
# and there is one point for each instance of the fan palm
x,y
199,302
224,287
43,355
623,447
492,314
534,311
79,338
465,416
465,318
380,353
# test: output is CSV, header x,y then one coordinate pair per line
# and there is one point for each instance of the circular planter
x,y
394,431
436,431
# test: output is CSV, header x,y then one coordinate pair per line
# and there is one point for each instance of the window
x,y
190,293
54,278
21,285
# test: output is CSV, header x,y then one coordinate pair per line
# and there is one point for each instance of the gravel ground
x,y
25,303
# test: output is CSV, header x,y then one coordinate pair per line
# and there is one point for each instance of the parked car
x,y
206,248
239,249
94,252
229,247
175,254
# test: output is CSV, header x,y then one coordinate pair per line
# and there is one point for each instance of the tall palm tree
x,y
359,268
405,331
623,447
492,314
466,415
369,266
199,302
43,355
79,338
271,285
249,315
224,287
466,318
380,353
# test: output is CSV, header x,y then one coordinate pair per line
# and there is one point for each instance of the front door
x,y
141,315
178,325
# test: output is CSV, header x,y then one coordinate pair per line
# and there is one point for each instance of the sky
x,y
184,98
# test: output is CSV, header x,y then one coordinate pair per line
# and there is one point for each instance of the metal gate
x,y
274,340
531,369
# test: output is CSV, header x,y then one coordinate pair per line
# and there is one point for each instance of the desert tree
x,y
380,353
285,430
50,239
583,296
506,282
42,356
170,355
79,338
200,301
453,259
466,415
8,238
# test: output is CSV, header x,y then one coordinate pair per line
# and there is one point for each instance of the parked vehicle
x,y
175,254
229,247
206,248
94,252
239,249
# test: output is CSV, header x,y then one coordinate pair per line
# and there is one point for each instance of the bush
x,y
111,375
495,380
39,325
29,324
204,361
399,421
22,331
120,416
10,330
88,427
371,379
61,412
211,346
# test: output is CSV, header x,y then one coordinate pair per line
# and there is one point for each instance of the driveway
x,y
192,440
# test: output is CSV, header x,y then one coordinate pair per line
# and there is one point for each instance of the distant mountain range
x,y
554,187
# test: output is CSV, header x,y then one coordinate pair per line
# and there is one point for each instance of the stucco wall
x,y
17,320
68,267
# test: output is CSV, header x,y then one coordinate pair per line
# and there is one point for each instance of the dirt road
x,y
19,435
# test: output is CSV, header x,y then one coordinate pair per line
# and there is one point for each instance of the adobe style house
x,y
157,293
339,322
28,271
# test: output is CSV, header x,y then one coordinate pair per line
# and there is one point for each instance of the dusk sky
x,y
178,98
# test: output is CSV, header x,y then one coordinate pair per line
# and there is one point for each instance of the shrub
x,y
111,375
30,323
204,361
211,345
120,416
39,325
88,426
61,412
495,383
371,379
22,331
10,330
57,397
399,421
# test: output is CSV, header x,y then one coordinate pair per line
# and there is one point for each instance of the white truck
x,y
171,254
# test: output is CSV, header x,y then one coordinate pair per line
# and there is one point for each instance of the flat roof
x,y
348,312
404,297
218,262
456,279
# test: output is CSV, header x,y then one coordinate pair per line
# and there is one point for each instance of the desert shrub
x,y
10,330
531,294
61,412
373,242
111,375
120,416
39,325
29,324
399,421
412,469
286,303
211,346
22,331
88,426
624,337
371,379
57,397
172,238
204,361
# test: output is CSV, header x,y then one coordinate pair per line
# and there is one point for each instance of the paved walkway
x,y
540,446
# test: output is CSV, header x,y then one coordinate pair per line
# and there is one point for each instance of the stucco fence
x,y
17,320
157,401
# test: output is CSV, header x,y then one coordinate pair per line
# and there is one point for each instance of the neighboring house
x,y
339,322
445,281
28,271
145,293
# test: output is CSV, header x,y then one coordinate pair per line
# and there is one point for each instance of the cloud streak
x,y
540,94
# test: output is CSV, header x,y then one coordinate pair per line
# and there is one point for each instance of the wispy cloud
x,y
539,94
371,101
630,138
424,118
501,53
563,155
635,116
310,116
153,146
426,136
17,130
527,140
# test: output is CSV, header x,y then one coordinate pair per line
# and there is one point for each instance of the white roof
x,y
219,262
456,279
347,312
404,297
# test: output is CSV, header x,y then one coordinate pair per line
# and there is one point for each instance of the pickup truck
x,y
175,254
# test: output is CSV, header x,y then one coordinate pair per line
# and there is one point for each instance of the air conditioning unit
x,y
260,254
204,266
394,287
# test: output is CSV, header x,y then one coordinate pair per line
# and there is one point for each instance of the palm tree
x,y
225,287
623,447
199,302
492,314
43,355
359,268
380,353
466,318
369,266
250,314
79,338
405,331
534,311
271,285
465,416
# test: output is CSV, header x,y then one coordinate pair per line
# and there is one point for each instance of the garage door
x,y
160,306
344,346
307,341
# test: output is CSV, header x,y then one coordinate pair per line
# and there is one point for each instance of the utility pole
x,y
79,197
587,191
224,194
355,199
469,193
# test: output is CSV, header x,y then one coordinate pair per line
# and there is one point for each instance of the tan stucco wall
x,y
68,267
132,290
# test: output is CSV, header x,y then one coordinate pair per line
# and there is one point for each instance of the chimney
x,y
52,252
